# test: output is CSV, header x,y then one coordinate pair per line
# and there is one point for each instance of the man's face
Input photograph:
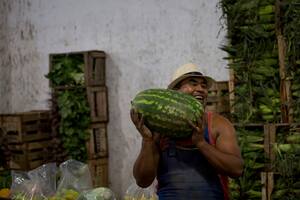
x,y
195,86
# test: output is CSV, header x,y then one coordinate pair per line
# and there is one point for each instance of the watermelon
x,y
168,111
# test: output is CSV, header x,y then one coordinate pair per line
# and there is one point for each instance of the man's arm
x,y
145,166
225,156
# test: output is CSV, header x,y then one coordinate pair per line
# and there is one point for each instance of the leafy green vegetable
x,y
67,78
67,70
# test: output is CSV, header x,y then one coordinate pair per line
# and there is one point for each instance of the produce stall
x,y
263,55
74,128
62,153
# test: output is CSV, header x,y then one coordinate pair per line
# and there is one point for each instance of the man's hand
x,y
138,121
198,132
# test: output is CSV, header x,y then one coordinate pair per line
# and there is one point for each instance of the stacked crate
x,y
272,155
253,142
95,87
264,85
218,98
284,149
28,137
97,145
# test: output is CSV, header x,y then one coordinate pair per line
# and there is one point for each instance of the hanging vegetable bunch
x,y
252,51
291,32
248,186
287,164
67,79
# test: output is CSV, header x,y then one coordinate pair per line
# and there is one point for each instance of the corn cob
x,y
287,148
269,9
296,185
254,194
265,109
253,138
266,18
279,193
295,86
295,138
296,94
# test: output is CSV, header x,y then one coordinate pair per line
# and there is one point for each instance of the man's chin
x,y
202,101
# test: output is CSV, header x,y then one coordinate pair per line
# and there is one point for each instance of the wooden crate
x,y
27,126
280,187
97,97
94,65
270,133
26,156
218,98
97,144
95,68
99,172
276,136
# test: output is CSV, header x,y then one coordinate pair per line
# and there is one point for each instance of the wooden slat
x,y
231,90
270,185
97,97
99,172
97,144
95,68
218,99
27,126
264,182
272,141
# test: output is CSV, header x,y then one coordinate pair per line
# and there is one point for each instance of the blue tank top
x,y
185,174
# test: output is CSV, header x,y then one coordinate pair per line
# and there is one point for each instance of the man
x,y
193,168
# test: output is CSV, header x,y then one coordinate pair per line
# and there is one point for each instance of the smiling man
x,y
196,167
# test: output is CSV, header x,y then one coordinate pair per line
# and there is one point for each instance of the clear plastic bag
x,y
100,193
40,183
134,192
74,178
34,185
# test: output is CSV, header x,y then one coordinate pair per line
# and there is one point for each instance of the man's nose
x,y
199,88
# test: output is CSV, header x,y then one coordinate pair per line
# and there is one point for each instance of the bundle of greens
x,y
67,80
248,186
252,51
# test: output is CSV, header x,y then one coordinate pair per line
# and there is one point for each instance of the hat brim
x,y
208,79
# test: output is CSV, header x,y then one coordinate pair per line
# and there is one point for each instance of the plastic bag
x,y
100,193
74,182
134,192
74,178
36,184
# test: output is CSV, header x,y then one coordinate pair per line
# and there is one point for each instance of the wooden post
x,y
264,183
269,140
270,185
231,90
284,89
287,85
272,140
267,144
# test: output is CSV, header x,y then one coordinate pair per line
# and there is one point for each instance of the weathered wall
x,y
145,40
5,60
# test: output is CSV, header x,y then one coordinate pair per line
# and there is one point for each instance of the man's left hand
x,y
198,132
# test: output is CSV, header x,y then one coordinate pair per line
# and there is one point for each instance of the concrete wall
x,y
145,40
5,60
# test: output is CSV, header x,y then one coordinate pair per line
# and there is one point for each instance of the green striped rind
x,y
167,111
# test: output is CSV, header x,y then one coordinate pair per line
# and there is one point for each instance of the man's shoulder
x,y
217,116
218,119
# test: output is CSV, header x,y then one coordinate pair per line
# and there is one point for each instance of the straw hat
x,y
188,70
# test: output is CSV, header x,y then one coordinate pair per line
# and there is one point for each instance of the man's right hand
x,y
138,121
